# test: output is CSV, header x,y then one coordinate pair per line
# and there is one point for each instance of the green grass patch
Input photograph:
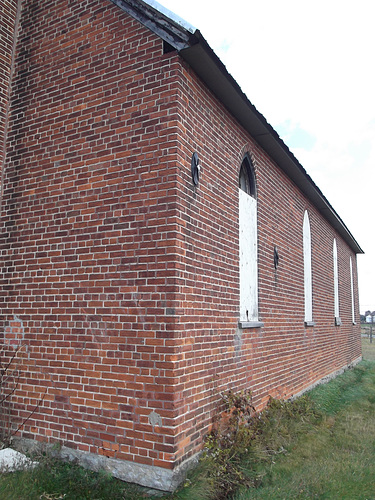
x,y
54,479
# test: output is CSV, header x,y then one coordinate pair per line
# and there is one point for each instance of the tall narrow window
x,y
336,283
352,290
307,269
248,244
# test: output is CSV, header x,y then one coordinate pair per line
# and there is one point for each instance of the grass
x,y
54,479
322,446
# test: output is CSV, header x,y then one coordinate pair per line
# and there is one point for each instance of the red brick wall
x,y
88,228
120,276
8,15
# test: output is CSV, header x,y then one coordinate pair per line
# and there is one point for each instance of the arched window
x,y
247,179
248,236
336,283
307,269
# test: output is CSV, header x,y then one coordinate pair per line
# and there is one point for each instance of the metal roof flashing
x,y
164,23
195,50
171,15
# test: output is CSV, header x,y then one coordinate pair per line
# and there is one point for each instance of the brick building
x,y
159,244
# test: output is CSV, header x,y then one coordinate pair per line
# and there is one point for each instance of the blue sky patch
x,y
296,137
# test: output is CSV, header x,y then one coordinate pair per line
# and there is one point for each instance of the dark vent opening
x,y
167,47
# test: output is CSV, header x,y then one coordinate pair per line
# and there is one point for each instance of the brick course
x,y
8,35
118,273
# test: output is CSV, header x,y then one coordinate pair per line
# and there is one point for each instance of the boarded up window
x,y
307,267
336,280
352,289
248,244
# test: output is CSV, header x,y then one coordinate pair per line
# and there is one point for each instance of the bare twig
x,y
10,378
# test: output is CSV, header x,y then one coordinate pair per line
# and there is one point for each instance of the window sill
x,y
250,324
338,321
309,323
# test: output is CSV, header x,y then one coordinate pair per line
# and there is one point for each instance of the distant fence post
x,y
372,320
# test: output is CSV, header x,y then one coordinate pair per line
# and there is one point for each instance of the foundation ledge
x,y
149,476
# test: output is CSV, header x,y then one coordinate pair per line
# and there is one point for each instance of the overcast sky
x,y
309,68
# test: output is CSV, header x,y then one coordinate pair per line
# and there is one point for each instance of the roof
x,y
195,50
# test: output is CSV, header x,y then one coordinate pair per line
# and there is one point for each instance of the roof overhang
x,y
194,49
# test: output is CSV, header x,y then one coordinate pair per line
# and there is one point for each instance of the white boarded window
x,y
352,289
307,267
248,244
336,282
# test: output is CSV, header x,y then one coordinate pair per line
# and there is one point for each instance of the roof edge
x,y
161,21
